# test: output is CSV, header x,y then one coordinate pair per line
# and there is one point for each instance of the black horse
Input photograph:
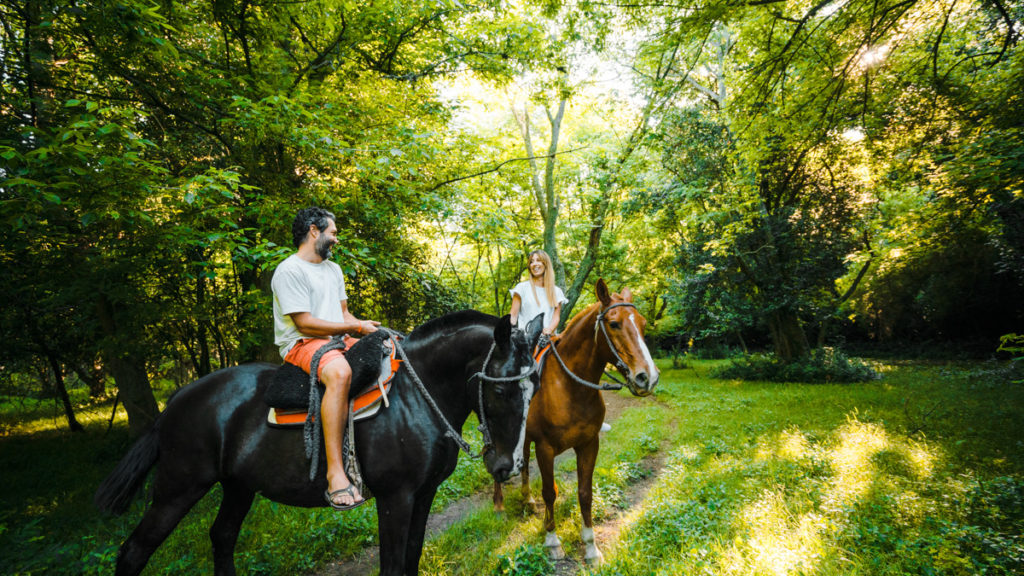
x,y
214,430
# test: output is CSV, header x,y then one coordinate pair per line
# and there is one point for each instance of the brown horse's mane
x,y
579,316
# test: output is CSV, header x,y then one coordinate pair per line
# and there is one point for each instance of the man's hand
x,y
368,327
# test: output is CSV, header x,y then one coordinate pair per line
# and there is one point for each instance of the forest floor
x,y
605,532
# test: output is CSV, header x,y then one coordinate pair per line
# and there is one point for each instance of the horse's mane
x,y
578,317
452,321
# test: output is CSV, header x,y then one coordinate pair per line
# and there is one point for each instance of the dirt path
x,y
605,533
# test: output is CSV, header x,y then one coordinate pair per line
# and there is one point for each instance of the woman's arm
x,y
517,303
556,314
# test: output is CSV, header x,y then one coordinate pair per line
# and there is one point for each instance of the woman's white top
x,y
534,301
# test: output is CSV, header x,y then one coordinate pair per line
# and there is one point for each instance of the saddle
x,y
374,363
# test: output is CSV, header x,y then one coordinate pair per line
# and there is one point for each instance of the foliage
x,y
821,365
838,158
526,560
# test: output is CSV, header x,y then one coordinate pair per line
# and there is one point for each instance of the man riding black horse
x,y
311,306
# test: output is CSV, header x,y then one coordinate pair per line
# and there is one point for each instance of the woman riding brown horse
x,y
568,410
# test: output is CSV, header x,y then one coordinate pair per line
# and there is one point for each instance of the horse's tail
x,y
117,490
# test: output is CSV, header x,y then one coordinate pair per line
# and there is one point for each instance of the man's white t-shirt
x,y
301,286
535,302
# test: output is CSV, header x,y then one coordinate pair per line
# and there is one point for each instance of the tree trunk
x,y
62,393
129,373
787,335
93,379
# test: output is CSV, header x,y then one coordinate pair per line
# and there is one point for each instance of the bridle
x,y
619,362
483,377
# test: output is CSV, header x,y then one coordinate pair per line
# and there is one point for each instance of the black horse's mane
x,y
452,321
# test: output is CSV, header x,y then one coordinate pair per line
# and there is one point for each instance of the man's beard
x,y
323,247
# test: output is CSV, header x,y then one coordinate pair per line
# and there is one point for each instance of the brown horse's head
x,y
620,326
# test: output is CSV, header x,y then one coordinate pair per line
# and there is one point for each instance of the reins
x,y
619,363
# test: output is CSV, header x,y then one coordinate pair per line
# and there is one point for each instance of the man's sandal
x,y
350,490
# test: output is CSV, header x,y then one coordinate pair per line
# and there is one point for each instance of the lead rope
x,y
311,432
449,431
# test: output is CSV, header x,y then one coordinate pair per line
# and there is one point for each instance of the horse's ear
x,y
602,292
627,294
503,333
533,330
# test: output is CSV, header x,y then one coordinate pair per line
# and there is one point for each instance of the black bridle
x,y
483,377
619,362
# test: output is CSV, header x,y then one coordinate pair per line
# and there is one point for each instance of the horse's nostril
x,y
642,379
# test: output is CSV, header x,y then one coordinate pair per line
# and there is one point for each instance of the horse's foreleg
x,y
157,523
586,459
394,514
525,477
417,531
224,533
546,464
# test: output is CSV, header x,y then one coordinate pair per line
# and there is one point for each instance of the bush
x,y
526,560
821,365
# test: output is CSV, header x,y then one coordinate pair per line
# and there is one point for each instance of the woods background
x,y
779,175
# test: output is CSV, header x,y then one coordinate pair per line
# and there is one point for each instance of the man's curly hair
x,y
312,216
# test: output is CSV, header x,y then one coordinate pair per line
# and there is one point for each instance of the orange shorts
x,y
302,353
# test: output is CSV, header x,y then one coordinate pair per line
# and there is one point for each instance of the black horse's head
x,y
510,380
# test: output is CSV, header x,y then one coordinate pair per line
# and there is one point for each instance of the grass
x,y
920,472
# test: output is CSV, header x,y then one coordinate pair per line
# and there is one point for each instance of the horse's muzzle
x,y
642,383
502,468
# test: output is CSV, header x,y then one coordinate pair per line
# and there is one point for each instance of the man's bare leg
x,y
336,377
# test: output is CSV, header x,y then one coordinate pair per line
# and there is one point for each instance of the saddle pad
x,y
289,388
365,405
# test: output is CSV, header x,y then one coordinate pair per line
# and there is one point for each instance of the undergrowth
x,y
821,365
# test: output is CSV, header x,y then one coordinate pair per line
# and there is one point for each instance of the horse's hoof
x,y
554,546
593,556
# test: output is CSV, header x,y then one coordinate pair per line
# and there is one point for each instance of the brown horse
x,y
568,410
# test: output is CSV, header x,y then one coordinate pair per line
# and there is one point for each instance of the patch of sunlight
x,y
789,445
851,460
778,542
922,459
685,453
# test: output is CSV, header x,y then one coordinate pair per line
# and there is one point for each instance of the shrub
x,y
526,560
821,365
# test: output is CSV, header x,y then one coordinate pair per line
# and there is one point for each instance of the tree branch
x,y
498,167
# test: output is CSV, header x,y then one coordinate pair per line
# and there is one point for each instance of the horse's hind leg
x,y
224,532
499,498
157,523
586,459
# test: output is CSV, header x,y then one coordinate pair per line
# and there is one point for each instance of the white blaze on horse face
x,y
526,387
651,368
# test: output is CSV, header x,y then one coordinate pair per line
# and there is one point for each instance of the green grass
x,y
48,524
921,472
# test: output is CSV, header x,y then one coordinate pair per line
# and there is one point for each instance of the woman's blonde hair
x,y
549,277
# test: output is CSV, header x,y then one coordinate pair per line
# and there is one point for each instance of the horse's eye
x,y
615,325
